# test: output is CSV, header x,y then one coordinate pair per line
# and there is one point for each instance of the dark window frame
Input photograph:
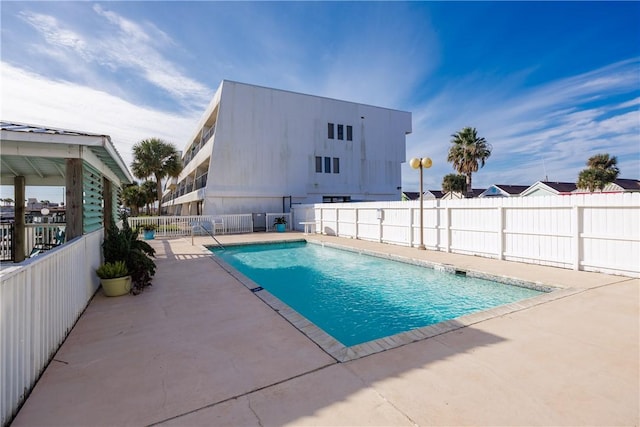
x,y
330,130
327,165
336,165
318,164
341,132
349,133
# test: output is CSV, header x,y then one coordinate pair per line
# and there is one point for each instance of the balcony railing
x,y
195,148
40,237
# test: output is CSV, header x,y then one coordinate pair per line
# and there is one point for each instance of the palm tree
x,y
157,158
148,194
454,183
134,198
601,170
467,151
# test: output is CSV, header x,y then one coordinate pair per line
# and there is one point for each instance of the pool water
x,y
357,298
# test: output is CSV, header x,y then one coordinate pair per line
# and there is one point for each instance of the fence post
x,y
575,226
356,224
410,227
500,232
447,228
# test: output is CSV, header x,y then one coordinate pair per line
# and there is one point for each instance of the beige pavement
x,y
198,348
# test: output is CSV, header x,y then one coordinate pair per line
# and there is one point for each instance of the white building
x,y
258,149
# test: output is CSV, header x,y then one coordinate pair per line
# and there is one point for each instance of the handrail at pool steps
x,y
208,227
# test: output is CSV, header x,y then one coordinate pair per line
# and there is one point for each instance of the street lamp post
x,y
423,163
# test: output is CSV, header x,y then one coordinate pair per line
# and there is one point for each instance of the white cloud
x,y
34,99
124,45
53,33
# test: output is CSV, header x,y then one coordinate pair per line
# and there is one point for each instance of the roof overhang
x,y
39,154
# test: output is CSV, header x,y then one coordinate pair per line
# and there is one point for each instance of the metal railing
x,y
42,235
172,226
6,242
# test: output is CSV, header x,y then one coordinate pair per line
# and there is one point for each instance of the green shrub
x,y
112,270
124,245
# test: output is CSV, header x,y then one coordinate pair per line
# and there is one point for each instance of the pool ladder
x,y
209,232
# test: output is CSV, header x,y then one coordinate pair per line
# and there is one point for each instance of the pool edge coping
x,y
342,353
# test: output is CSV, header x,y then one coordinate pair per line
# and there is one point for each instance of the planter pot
x,y
116,287
280,228
149,234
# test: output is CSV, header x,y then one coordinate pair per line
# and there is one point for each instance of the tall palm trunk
x,y
469,190
159,190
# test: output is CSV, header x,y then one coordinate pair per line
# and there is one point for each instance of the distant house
x,y
500,190
415,195
625,185
617,186
548,188
437,194
451,195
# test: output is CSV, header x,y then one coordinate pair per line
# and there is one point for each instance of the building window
x,y
336,199
349,133
318,164
336,165
327,165
340,131
330,130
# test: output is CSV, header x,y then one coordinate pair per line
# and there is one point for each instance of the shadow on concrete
x,y
293,399
198,348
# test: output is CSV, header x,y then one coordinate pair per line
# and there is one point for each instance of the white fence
x,y
41,299
171,226
6,243
592,232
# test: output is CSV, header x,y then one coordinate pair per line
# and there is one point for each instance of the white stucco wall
x,y
266,141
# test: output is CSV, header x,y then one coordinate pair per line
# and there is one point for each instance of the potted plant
x,y
124,245
280,223
149,231
114,278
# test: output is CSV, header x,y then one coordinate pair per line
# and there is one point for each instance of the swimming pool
x,y
357,298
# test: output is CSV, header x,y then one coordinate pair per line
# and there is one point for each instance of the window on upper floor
x,y
336,199
349,133
341,132
330,130
324,164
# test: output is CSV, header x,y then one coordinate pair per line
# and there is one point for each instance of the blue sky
x,y
548,84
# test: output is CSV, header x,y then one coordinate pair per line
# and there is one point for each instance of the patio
x,y
197,348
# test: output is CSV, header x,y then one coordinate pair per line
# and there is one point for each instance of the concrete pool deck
x,y
198,348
